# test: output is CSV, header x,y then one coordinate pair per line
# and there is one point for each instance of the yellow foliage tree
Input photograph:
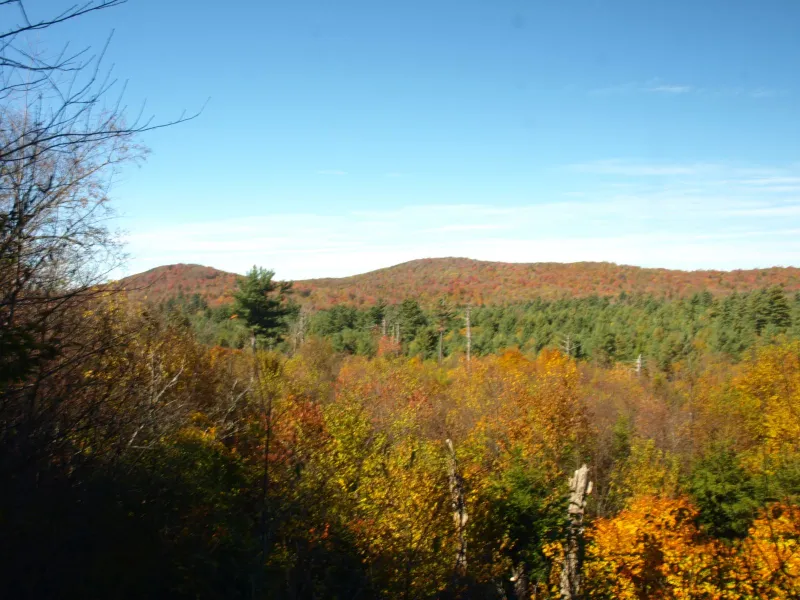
x,y
768,561
654,550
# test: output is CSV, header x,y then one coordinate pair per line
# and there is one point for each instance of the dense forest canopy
x,y
312,473
662,331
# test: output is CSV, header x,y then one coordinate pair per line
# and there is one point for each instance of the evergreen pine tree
x,y
261,303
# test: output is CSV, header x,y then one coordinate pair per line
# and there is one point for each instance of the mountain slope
x,y
465,280
480,282
167,281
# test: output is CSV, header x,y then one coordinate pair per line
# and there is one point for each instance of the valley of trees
x,y
664,332
261,449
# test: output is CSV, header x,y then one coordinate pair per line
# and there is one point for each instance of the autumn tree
x,y
63,137
768,562
654,550
58,152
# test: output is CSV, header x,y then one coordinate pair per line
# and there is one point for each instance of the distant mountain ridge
x,y
464,280
160,283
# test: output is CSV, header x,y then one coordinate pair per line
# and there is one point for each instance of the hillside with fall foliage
x,y
158,284
467,281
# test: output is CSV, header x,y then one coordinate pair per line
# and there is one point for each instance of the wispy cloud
x,y
746,178
634,168
654,85
768,181
662,214
671,89
763,93
785,210
466,227
658,86
331,172
340,245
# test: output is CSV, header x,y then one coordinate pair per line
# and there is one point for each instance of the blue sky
x,y
351,135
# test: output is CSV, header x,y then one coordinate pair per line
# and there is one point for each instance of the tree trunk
x,y
522,588
469,334
459,505
579,487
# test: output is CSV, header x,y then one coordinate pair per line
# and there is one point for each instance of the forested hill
x,y
463,280
161,283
